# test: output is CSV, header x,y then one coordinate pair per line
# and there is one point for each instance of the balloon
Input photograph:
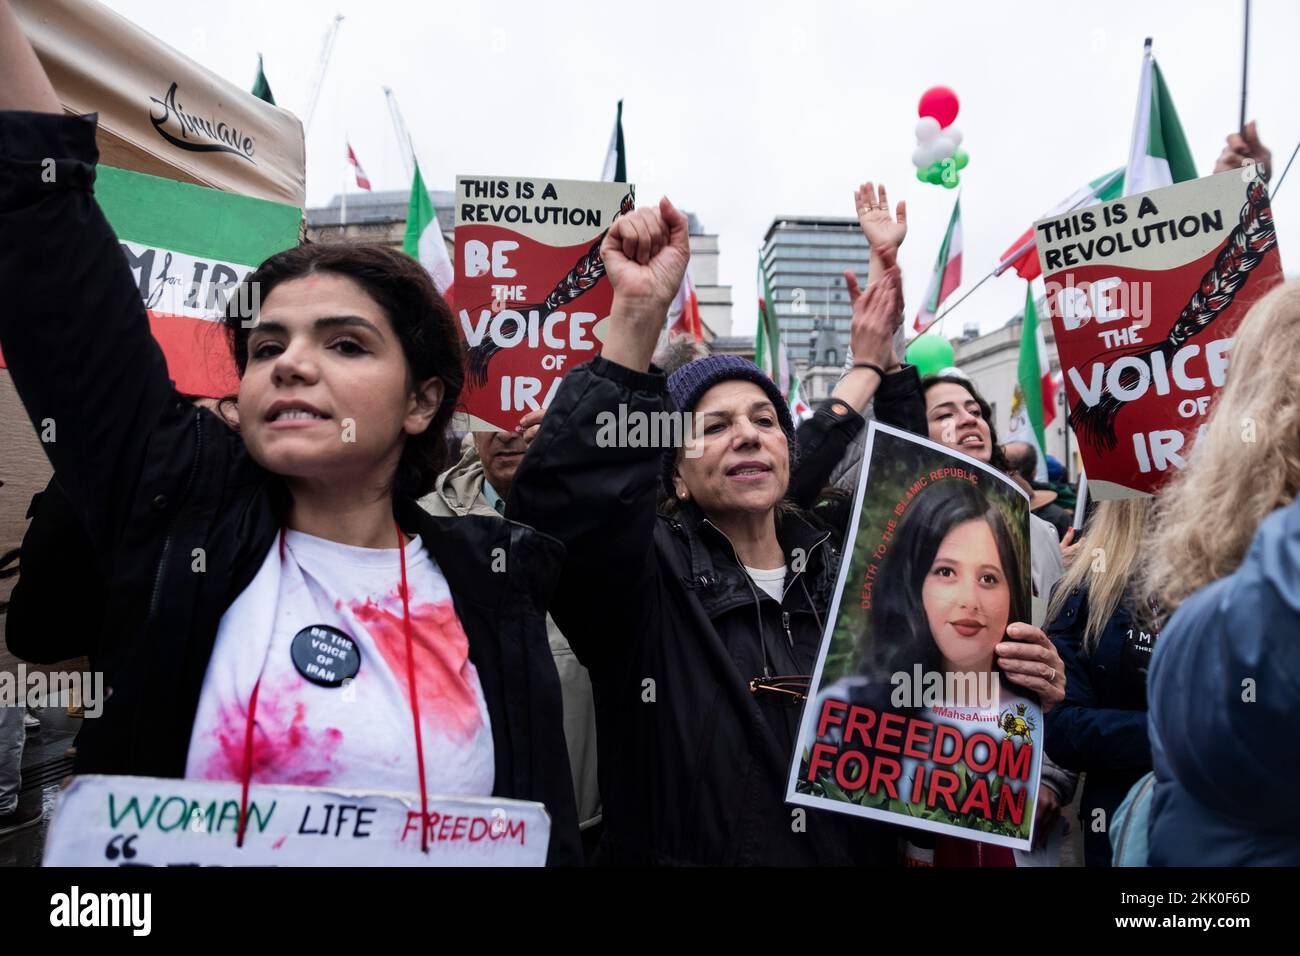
x,y
930,354
962,158
939,102
921,156
942,147
954,134
927,128
921,175
948,175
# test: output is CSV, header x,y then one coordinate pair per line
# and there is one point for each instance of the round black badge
x,y
325,655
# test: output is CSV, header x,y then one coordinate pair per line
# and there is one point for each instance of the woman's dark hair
x,y
423,321
900,629
998,459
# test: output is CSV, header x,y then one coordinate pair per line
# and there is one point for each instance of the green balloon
x,y
930,354
962,157
934,173
921,174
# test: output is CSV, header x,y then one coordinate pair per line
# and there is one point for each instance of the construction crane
x,y
404,144
325,52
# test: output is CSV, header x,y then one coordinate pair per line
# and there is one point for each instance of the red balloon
x,y
939,102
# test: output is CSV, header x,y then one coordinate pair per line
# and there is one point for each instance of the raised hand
x,y
884,232
645,255
1243,148
877,314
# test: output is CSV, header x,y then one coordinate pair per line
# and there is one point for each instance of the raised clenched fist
x,y
645,255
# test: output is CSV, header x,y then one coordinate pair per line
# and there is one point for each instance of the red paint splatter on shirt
x,y
285,748
441,649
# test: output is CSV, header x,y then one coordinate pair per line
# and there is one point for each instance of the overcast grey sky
x,y
743,111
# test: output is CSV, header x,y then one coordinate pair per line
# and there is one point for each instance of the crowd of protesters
x,y
624,634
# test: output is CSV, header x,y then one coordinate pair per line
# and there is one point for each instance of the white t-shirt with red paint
x,y
361,735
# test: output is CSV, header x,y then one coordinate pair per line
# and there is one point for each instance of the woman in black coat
x,y
700,624
184,515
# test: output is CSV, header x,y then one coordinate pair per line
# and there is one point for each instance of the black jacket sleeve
x,y
599,499
898,401
74,332
57,605
822,441
827,441
1082,734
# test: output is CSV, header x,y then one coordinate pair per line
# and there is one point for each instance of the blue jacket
x,y
1227,768
1101,726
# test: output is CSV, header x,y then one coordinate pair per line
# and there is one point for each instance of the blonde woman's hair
x,y
1105,563
1245,465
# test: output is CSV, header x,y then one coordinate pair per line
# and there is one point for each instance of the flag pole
x,y
1278,185
1006,263
1245,59
944,314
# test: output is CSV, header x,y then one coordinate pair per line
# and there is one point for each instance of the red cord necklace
x,y
415,710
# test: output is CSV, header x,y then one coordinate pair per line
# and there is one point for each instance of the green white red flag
x,y
423,240
190,248
1033,404
947,272
1158,155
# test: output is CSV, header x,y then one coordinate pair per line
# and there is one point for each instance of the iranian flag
x,y
189,248
768,353
1158,155
684,312
261,88
799,409
423,239
771,356
1022,255
947,272
1033,405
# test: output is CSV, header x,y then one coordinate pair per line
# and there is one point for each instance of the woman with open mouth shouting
x,y
700,621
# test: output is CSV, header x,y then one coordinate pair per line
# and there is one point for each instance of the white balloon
x,y
954,134
927,128
921,156
942,147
